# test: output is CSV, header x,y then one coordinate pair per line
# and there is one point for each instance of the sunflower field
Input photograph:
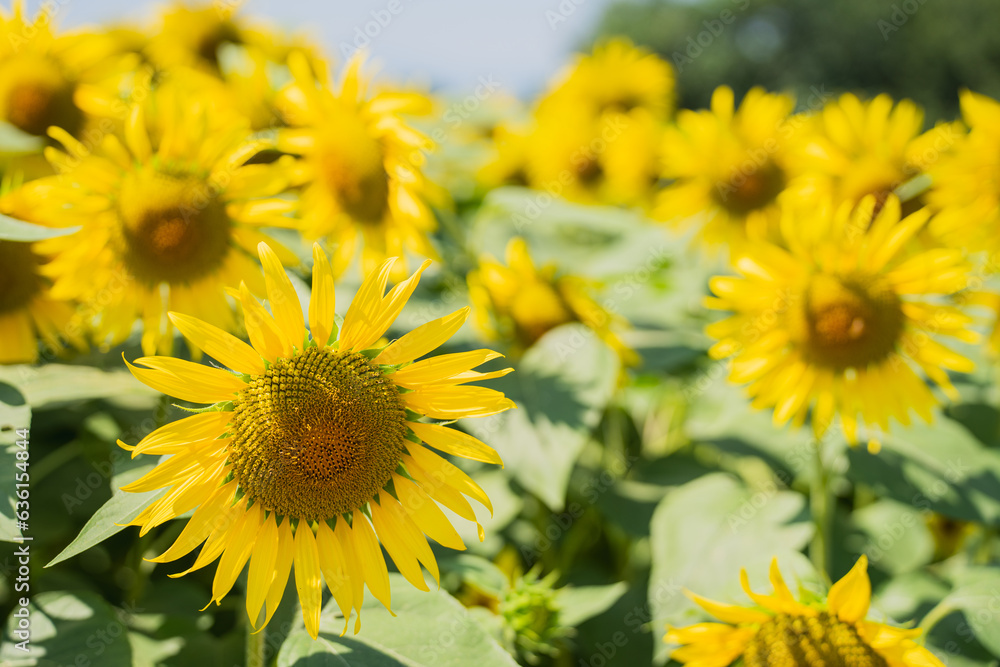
x,y
300,365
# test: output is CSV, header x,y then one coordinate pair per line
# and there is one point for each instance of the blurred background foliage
x,y
795,45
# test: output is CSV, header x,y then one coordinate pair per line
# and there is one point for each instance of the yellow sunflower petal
x,y
426,514
282,567
423,339
218,344
265,553
442,367
850,597
363,313
456,402
307,577
186,380
455,442
332,563
282,297
323,300
242,542
261,328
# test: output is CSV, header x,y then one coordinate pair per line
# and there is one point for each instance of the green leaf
x,y
705,531
430,629
114,515
68,629
15,415
895,536
57,384
939,467
581,603
978,598
25,232
561,387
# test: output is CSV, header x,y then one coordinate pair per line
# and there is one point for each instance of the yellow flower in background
x,y
966,184
610,159
519,303
780,630
170,216
360,167
41,72
839,320
28,312
508,164
194,35
857,148
315,451
728,166
617,77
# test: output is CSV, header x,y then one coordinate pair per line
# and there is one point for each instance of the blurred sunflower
x,y
520,303
966,183
508,164
856,148
728,166
195,34
617,77
170,216
610,159
360,167
837,321
28,311
312,440
41,72
783,631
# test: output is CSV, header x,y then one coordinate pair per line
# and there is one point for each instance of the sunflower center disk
x,y
800,641
317,435
750,189
850,323
351,167
19,281
174,228
37,96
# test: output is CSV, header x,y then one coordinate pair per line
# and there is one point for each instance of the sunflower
x,y
519,302
508,163
360,165
608,159
618,77
857,148
839,320
783,631
728,167
28,310
41,72
169,215
195,35
315,449
966,183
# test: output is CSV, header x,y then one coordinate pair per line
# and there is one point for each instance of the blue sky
x,y
448,44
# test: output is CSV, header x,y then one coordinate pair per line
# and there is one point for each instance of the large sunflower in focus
x,y
520,303
170,216
728,166
966,184
360,168
41,72
783,632
859,148
839,321
316,450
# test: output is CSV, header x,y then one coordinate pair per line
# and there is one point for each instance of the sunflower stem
x,y
821,505
256,646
